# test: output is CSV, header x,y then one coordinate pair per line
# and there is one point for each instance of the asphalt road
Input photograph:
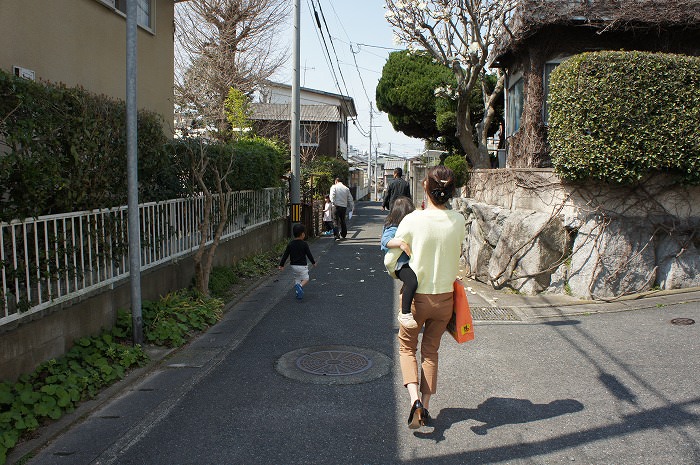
x,y
609,388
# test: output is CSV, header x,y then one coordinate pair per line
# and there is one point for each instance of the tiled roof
x,y
283,112
392,164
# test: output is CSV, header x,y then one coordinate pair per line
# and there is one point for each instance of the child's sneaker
x,y
299,291
407,321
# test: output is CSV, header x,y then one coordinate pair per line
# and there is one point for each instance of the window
x,y
309,134
144,11
548,68
514,110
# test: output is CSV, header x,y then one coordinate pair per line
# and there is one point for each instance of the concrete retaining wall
x,y
51,333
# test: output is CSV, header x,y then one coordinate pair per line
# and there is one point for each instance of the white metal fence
x,y
50,259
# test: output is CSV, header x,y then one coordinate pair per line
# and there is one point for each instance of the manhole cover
x,y
494,314
333,363
683,321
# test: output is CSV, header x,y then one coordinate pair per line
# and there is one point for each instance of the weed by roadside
x,y
57,386
226,282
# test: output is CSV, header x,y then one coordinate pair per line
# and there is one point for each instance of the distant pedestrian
x,y
327,216
399,187
298,250
342,201
402,207
435,238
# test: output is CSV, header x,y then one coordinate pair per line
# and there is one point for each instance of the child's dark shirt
x,y
297,250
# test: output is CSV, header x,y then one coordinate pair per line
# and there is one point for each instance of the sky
x,y
362,40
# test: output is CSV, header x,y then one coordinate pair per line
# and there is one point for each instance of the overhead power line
x,y
329,59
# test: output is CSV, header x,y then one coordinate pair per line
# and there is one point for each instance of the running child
x,y
298,250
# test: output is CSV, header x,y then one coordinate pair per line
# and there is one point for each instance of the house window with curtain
x,y
144,11
514,109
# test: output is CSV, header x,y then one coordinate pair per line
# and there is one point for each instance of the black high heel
x,y
427,420
415,418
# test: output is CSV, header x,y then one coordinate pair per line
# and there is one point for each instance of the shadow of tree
x,y
498,411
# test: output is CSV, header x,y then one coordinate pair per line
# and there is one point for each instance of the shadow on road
x,y
498,411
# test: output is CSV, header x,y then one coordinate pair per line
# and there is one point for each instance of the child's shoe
x,y
406,320
299,291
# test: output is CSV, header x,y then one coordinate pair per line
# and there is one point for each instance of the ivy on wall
x,y
618,117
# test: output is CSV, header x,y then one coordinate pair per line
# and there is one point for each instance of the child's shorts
x,y
301,273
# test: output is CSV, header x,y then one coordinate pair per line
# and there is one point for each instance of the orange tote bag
x,y
460,326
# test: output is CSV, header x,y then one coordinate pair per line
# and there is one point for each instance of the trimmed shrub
x,y
64,149
618,117
252,163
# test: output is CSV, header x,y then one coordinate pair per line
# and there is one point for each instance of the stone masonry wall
x,y
529,231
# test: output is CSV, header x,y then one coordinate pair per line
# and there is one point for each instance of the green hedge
x,y
617,117
64,149
252,163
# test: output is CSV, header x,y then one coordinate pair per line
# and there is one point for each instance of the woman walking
x,y
434,237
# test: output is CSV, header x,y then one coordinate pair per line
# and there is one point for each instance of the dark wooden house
x,y
543,33
324,119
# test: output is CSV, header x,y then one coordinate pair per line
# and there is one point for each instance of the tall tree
x,y
458,34
224,44
406,92
419,96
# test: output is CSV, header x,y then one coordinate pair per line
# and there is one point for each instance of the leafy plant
x,y
58,385
174,318
619,134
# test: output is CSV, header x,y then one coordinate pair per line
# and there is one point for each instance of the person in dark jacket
x,y
298,250
397,188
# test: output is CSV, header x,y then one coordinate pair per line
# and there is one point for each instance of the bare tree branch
x,y
224,44
459,34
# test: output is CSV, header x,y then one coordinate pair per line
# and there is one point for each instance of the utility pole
x,y
376,184
305,69
132,175
295,189
369,160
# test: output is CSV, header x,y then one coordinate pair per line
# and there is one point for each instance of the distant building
x,y
323,117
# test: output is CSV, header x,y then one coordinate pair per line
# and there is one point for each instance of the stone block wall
x,y
529,231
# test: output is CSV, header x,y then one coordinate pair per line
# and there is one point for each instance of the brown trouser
x,y
434,311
